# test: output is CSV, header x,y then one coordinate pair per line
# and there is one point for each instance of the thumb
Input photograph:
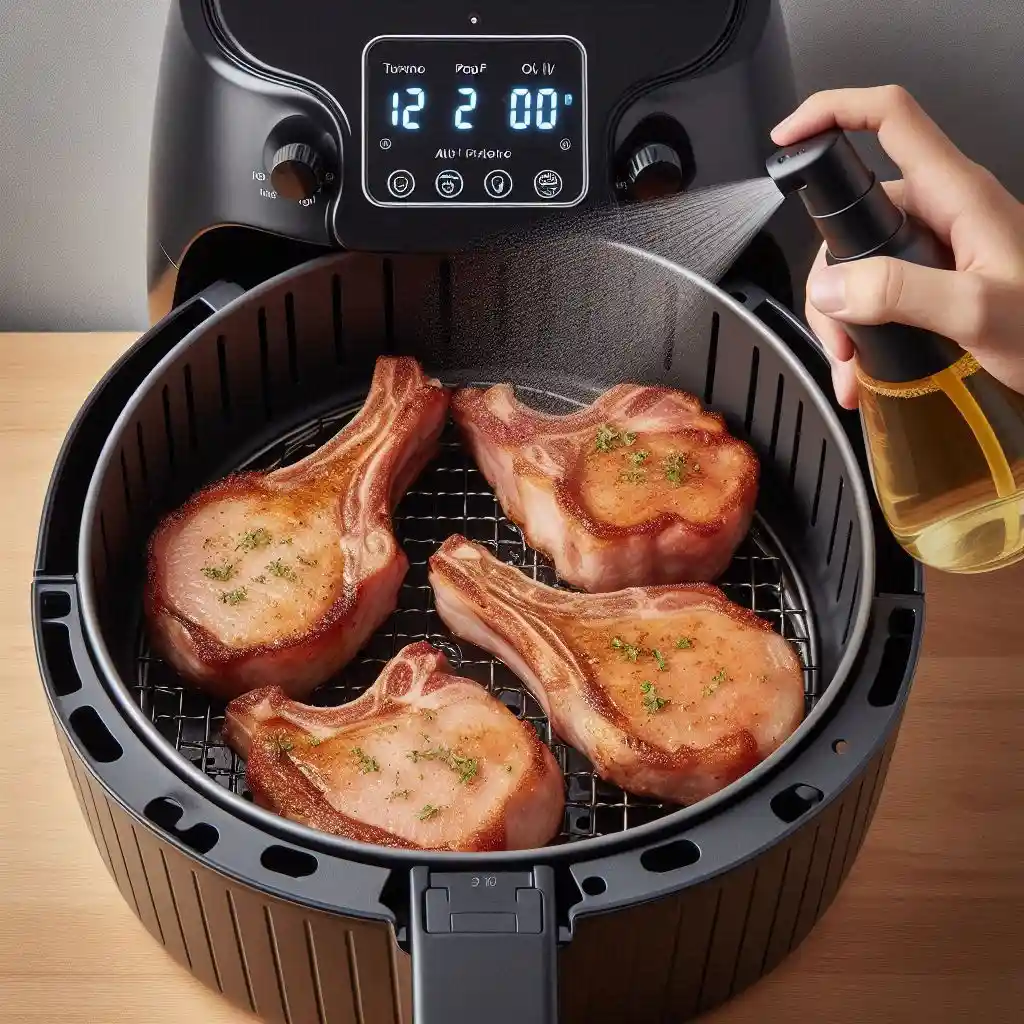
x,y
883,290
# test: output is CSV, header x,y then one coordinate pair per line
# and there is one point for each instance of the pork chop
x,y
670,691
279,578
641,487
423,759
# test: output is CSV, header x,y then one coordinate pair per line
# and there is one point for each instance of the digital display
x,y
475,121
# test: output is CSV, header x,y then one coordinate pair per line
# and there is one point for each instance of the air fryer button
x,y
448,184
498,184
401,184
548,184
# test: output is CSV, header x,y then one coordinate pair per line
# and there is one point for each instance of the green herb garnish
x,y
660,659
465,767
632,476
629,651
259,579
254,539
234,596
314,741
428,811
716,681
675,467
221,573
286,540
308,562
607,435
639,458
684,643
652,702
367,764
279,744
609,438
281,570
399,794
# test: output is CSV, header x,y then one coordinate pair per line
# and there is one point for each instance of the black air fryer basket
x,y
300,926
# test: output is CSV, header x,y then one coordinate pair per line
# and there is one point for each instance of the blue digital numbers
x,y
528,109
547,109
402,113
520,114
461,123
538,110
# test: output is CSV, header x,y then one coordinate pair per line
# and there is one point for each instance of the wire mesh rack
x,y
452,496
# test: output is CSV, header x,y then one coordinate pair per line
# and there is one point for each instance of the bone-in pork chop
x,y
279,578
641,487
423,759
670,691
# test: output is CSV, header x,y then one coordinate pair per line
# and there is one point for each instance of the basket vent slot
x,y
261,326
94,735
796,801
293,343
895,657
143,467
190,410
780,391
57,648
165,396
679,854
225,380
794,458
54,604
166,814
755,362
283,860
709,381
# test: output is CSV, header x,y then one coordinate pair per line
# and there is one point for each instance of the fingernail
x,y
827,290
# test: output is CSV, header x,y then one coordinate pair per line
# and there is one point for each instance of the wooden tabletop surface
x,y
930,924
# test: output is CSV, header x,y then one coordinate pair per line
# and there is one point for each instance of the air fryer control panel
x,y
285,131
474,121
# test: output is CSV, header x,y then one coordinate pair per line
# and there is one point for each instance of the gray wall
x,y
77,80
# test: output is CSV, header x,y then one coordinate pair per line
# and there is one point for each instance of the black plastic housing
x,y
238,78
722,890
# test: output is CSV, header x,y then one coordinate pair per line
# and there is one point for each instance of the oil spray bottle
x,y
945,438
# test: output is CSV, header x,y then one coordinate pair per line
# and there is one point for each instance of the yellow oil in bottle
x,y
947,462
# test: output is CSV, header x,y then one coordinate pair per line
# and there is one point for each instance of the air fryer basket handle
x,y
483,946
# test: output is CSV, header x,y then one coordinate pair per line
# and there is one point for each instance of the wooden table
x,y
930,924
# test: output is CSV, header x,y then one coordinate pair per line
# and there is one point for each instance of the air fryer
x,y
282,264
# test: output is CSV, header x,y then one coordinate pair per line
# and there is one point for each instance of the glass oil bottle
x,y
945,439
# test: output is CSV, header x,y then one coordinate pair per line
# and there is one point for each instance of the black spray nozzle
x,y
849,206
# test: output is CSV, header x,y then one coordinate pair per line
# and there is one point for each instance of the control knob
x,y
654,170
296,171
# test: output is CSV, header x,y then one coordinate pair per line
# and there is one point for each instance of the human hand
x,y
979,304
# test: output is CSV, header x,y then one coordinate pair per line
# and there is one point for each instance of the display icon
x,y
449,184
498,184
401,184
547,184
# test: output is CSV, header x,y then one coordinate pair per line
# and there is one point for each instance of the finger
x,y
883,290
829,332
913,140
944,179
844,383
